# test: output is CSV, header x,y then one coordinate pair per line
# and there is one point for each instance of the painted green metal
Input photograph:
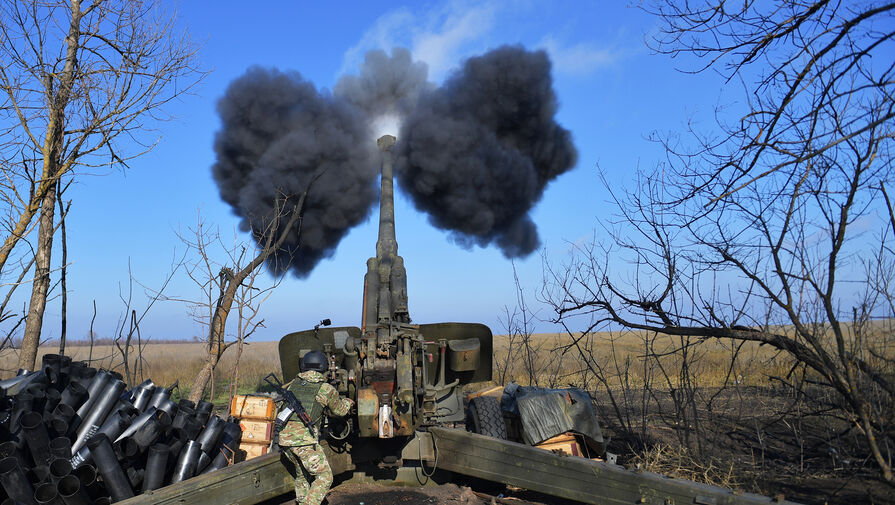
x,y
573,478
293,346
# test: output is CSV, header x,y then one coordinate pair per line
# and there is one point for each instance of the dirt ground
x,y
445,494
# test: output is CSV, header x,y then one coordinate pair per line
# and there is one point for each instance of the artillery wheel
x,y
483,416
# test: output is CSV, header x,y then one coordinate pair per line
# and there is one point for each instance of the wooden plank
x,y
244,483
573,478
465,453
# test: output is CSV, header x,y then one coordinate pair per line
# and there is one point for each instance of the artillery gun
x,y
401,375
406,380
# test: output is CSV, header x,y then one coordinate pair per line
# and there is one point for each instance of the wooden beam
x,y
573,478
477,456
245,483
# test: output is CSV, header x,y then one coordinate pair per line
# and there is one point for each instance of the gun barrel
x,y
387,245
385,285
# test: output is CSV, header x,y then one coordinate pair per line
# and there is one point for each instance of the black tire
x,y
483,416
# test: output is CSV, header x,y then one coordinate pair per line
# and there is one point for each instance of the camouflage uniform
x,y
301,446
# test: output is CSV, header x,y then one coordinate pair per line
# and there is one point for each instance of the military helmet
x,y
314,360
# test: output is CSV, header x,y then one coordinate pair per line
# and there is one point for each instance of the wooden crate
x,y
496,392
253,407
256,431
567,443
252,449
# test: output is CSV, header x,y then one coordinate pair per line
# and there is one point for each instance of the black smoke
x,y
279,133
477,153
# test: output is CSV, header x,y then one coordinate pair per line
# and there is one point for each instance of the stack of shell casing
x,y
71,434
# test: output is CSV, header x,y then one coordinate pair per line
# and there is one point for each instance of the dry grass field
x,y
552,363
167,363
555,361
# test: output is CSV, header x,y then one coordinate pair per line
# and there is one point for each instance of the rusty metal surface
x,y
367,411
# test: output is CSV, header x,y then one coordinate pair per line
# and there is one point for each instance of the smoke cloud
x,y
477,153
278,134
387,85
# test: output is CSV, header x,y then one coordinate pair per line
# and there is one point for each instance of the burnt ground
x,y
756,440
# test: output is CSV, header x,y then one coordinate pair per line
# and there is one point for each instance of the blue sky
x,y
612,90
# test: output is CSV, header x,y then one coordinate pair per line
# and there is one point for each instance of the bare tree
x,y
232,281
128,339
80,81
772,230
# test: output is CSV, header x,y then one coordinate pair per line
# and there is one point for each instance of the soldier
x,y
297,442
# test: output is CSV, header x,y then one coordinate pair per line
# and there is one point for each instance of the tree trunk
x,y
230,282
41,284
216,334
52,168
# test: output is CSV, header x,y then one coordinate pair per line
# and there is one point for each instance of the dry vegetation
x,y
555,365
740,415
169,363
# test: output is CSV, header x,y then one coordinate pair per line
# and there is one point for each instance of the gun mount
x,y
401,375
